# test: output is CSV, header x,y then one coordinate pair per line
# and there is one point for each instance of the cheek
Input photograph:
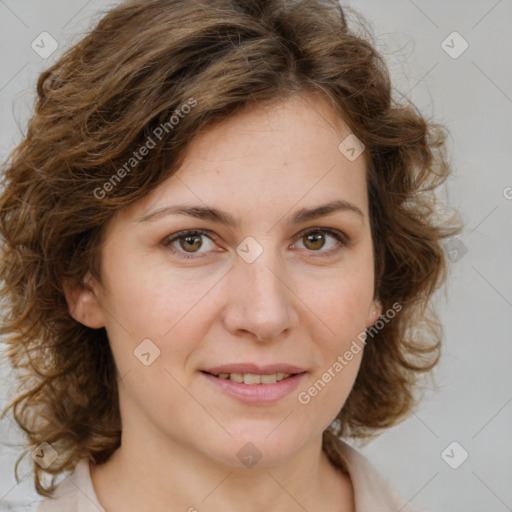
x,y
341,305
150,297
337,324
327,391
172,309
337,329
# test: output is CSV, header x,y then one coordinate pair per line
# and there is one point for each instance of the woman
x,y
220,243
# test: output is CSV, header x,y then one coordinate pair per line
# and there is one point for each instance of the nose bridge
x,y
264,278
261,302
260,262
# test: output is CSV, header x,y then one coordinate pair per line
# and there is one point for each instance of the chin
x,y
259,448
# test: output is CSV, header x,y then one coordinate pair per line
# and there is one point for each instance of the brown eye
x,y
190,243
315,240
186,244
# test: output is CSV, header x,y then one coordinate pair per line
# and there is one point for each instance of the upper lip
x,y
268,369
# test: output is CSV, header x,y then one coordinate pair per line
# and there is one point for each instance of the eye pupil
x,y
189,242
315,238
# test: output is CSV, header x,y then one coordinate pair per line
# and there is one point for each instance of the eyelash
x,y
338,235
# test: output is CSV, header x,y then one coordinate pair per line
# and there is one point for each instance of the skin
x,y
181,435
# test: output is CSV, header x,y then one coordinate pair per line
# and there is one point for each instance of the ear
x,y
83,302
374,312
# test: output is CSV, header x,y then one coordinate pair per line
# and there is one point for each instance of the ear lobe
x,y
83,304
374,312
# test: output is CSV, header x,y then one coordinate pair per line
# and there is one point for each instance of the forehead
x,y
297,126
263,160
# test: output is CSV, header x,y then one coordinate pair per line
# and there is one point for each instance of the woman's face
x,y
259,289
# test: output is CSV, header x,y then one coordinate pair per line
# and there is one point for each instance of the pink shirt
x,y
372,492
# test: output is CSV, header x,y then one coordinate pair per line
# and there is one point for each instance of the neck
x,y
148,472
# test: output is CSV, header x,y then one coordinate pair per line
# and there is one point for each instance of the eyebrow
x,y
226,219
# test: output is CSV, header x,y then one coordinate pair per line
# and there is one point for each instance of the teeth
x,y
252,378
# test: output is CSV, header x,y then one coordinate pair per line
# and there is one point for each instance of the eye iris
x,y
315,239
192,242
189,242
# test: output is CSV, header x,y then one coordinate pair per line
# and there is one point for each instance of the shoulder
x,y
64,498
372,491
15,506
74,494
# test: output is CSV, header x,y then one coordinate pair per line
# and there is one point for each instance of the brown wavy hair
x,y
101,100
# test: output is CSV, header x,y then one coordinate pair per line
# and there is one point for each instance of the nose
x,y
261,303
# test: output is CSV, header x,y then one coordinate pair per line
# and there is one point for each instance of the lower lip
x,y
256,393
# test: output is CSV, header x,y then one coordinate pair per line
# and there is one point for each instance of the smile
x,y
255,389
253,378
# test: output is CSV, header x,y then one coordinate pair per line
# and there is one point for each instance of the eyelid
x,y
336,233
167,242
340,236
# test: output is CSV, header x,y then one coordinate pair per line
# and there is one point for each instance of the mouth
x,y
255,385
252,378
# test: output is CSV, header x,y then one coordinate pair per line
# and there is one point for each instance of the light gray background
x,y
472,95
